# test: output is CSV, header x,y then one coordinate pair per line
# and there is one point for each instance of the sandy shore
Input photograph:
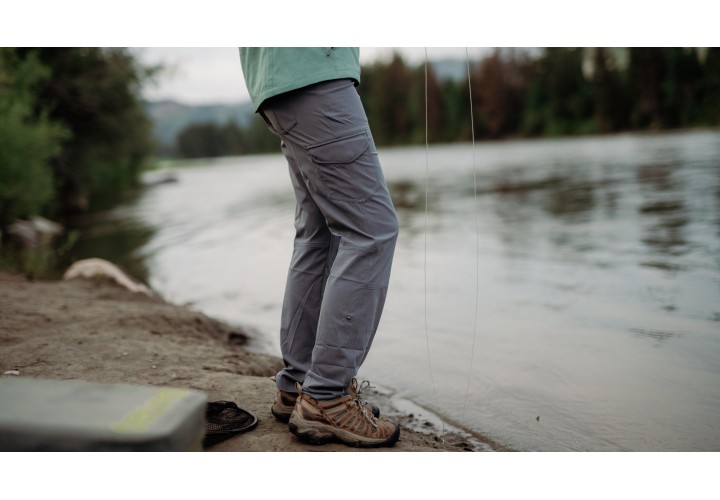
x,y
97,331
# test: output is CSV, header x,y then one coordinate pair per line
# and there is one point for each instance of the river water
x,y
595,263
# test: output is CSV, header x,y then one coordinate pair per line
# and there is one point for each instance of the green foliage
x,y
205,140
73,134
611,98
258,139
453,112
209,139
559,96
394,99
499,86
708,89
28,140
41,261
95,94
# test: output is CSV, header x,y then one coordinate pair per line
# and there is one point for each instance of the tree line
x,y
515,93
73,129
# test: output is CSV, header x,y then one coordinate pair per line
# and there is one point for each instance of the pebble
x,y
12,372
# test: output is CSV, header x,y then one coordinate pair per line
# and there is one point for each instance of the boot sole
x,y
320,434
285,417
280,417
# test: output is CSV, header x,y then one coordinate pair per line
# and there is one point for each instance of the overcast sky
x,y
213,75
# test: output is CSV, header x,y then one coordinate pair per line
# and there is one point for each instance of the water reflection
x,y
407,195
658,177
114,234
110,235
598,233
570,198
659,336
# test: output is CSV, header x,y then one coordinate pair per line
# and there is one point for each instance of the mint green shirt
x,y
270,71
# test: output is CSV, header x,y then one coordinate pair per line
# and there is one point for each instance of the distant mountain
x,y
170,117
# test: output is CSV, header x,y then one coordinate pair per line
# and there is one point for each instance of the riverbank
x,y
98,331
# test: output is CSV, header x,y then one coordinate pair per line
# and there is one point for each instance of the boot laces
x,y
367,415
357,388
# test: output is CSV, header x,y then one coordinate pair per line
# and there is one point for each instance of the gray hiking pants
x,y
346,230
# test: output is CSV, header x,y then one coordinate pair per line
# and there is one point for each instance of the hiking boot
x,y
285,401
344,419
283,405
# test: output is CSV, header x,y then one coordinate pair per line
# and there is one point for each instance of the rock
x,y
34,232
159,178
94,268
238,338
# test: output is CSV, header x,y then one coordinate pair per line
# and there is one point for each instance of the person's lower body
x,y
346,229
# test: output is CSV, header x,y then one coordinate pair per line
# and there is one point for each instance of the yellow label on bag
x,y
140,419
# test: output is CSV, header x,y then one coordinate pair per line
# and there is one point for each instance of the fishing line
x,y
477,244
427,185
477,240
